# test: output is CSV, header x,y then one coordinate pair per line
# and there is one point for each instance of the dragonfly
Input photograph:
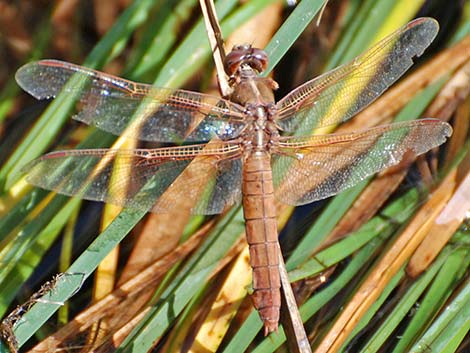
x,y
246,147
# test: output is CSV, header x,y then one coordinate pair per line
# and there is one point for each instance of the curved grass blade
x,y
291,29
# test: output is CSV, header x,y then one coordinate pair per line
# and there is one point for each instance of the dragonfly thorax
x,y
261,132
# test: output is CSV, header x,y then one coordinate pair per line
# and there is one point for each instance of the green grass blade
x,y
12,254
291,29
17,215
450,327
359,35
400,210
449,274
158,36
84,266
409,299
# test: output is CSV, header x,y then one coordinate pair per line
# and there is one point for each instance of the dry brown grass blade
x,y
387,267
120,335
155,242
162,232
129,314
451,97
219,316
369,201
259,30
461,130
445,225
126,294
156,238
455,91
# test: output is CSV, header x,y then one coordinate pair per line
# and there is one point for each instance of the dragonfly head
x,y
245,55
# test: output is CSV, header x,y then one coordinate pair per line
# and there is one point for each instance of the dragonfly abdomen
x,y
261,233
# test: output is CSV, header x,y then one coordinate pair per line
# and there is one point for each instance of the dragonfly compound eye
x,y
240,55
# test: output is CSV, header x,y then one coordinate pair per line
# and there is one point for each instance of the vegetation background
x,y
180,283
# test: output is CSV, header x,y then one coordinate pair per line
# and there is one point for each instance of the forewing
x,y
160,180
312,168
132,109
343,92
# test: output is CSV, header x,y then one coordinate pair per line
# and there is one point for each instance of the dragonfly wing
x,y
208,178
307,169
341,93
136,110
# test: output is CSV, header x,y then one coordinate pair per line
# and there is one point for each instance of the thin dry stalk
x,y
297,339
214,34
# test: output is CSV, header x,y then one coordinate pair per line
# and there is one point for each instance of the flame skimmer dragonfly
x,y
236,149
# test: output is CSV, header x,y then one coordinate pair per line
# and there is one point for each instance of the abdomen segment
x,y
261,232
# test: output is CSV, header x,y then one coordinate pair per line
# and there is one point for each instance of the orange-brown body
x,y
259,208
261,233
